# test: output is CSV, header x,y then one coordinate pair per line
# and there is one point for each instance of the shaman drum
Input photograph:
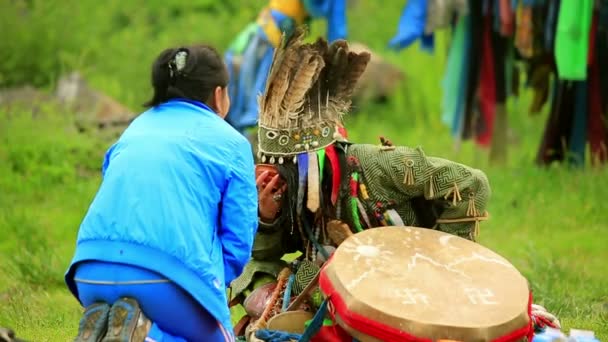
x,y
416,284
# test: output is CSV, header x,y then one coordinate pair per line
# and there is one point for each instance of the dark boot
x,y
127,323
93,323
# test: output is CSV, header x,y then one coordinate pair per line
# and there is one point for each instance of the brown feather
x,y
338,69
287,44
310,82
304,77
285,59
280,84
356,66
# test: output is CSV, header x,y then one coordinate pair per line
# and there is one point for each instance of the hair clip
x,y
178,63
180,60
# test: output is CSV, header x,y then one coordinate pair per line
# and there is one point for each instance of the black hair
x,y
204,70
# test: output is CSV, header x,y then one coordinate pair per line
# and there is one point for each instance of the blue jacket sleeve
x,y
239,213
335,13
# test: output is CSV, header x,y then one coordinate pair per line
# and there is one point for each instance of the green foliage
x,y
549,222
121,38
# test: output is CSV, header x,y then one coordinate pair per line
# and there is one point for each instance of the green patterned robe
x,y
434,179
450,195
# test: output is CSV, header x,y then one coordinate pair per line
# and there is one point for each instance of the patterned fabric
x,y
286,143
304,275
449,186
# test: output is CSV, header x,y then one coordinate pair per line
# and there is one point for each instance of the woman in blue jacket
x,y
174,219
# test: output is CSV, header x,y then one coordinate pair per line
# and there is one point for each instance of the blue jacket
x,y
178,197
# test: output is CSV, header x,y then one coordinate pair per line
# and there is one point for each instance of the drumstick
x,y
281,281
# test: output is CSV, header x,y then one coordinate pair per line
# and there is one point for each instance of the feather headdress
x,y
309,89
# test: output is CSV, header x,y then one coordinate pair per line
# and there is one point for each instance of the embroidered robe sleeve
x,y
400,174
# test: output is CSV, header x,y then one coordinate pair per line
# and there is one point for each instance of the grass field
x,y
551,223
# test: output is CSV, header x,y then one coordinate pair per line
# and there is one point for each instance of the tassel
x,y
472,210
363,213
332,155
409,172
354,180
363,189
476,230
395,218
312,202
321,158
431,188
456,194
380,219
302,177
387,218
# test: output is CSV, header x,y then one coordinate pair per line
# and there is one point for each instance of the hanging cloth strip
x,y
556,137
411,27
578,135
455,79
572,38
321,158
334,11
487,86
468,124
507,18
602,54
502,58
314,186
354,200
302,178
440,13
332,156
524,36
551,24
597,130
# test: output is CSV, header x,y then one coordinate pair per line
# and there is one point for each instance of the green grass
x,y
550,223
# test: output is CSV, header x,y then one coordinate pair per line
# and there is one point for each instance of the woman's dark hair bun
x,y
191,72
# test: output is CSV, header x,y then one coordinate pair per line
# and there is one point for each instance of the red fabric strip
x,y
353,187
343,132
332,155
526,331
487,85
